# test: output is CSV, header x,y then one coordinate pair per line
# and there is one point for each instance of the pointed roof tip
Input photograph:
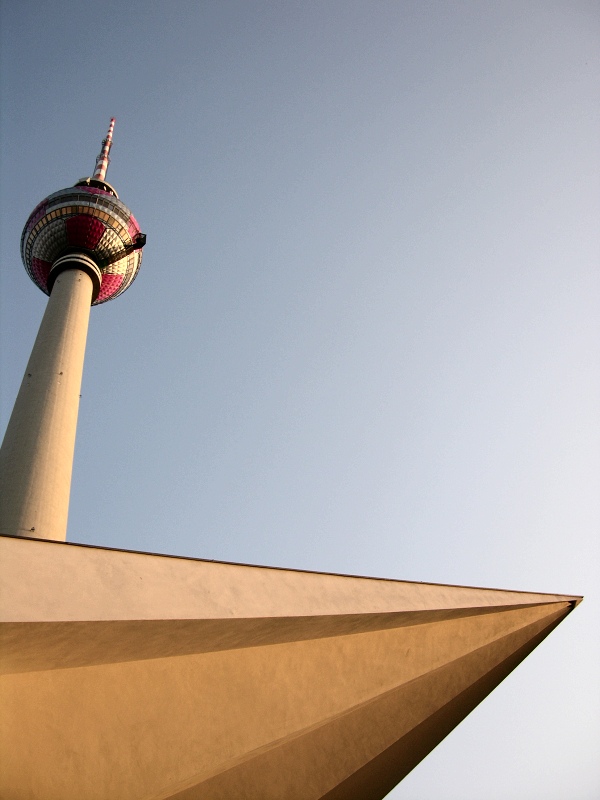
x,y
576,600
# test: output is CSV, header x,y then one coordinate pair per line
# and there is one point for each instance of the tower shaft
x,y
36,456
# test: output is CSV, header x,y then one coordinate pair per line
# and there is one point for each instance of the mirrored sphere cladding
x,y
88,219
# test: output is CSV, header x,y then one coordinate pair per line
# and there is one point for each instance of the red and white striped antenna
x,y
103,160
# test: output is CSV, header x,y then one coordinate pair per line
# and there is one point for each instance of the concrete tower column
x,y
36,457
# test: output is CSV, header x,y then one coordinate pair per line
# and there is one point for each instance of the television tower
x,y
81,246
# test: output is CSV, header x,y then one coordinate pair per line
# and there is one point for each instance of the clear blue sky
x,y
365,334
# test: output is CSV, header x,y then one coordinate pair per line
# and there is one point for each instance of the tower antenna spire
x,y
103,159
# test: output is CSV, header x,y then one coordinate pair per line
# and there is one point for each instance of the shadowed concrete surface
x,y
140,676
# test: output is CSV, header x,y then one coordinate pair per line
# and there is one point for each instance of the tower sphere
x,y
87,227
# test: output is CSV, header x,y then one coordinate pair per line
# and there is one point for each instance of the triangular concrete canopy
x,y
139,676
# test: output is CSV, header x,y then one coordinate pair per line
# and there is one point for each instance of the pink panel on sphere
x,y
84,231
93,190
133,227
40,270
110,284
